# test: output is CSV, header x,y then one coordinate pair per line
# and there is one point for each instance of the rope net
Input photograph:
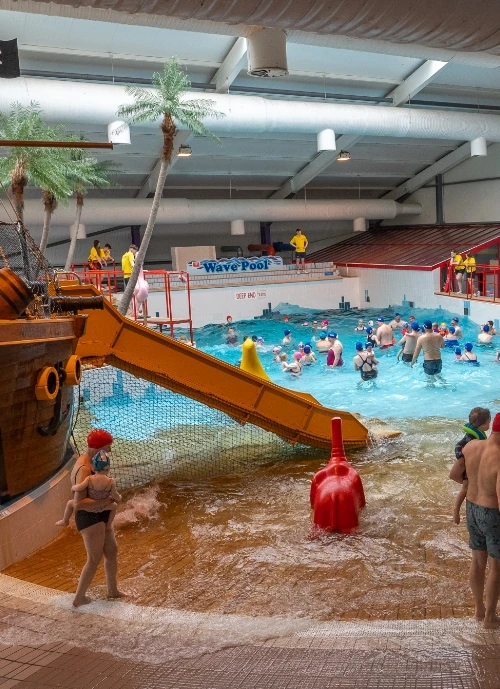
x,y
160,434
19,252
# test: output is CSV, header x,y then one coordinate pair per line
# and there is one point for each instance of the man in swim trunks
x,y
408,342
299,241
384,334
431,344
482,464
396,323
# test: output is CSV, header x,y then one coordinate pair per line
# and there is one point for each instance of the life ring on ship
x,y
47,384
73,370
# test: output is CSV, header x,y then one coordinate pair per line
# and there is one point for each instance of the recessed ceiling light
x,y
343,156
184,151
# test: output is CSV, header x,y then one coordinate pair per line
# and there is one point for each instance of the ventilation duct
x,y
83,103
110,212
267,53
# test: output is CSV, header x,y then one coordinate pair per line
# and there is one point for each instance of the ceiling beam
x,y
417,81
400,95
443,165
231,66
149,185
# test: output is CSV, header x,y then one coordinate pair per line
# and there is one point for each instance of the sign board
x,y
234,265
250,294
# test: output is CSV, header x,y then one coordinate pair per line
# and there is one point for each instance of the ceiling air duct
x,y
267,53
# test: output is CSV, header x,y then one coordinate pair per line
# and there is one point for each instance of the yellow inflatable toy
x,y
250,362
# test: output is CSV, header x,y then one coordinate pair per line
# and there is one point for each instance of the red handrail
x,y
105,280
482,282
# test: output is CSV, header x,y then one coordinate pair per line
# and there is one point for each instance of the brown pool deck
x,y
45,644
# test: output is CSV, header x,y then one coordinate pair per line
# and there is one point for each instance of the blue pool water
x,y
400,392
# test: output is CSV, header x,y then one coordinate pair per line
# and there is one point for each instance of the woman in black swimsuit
x,y
98,541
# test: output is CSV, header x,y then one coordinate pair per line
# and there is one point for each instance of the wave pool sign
x,y
235,265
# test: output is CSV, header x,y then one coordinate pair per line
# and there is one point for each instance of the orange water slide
x,y
110,338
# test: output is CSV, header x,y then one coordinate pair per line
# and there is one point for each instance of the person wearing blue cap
x,y
468,355
396,323
371,337
431,344
322,345
450,339
365,362
408,343
485,336
287,339
385,336
308,356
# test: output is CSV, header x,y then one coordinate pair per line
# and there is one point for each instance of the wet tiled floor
x,y
44,644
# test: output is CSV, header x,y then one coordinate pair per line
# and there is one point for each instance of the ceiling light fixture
x,y
184,151
343,156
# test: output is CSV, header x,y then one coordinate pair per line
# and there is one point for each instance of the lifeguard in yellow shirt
x,y
128,261
299,241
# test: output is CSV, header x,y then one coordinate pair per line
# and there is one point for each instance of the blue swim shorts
x,y
483,525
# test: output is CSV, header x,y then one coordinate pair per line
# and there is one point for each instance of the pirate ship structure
x,y
39,332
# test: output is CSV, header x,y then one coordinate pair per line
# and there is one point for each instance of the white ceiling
x,y
246,166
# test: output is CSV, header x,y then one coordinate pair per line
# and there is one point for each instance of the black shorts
x,y
369,375
84,519
300,254
460,271
431,368
407,357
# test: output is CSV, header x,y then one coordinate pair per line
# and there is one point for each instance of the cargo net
x,y
160,434
19,252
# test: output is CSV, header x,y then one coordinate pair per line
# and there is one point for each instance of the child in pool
x,y
287,339
458,354
231,337
308,357
99,487
479,422
360,328
293,368
276,353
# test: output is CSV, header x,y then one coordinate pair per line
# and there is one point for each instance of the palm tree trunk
x,y
18,181
141,254
74,233
49,204
168,129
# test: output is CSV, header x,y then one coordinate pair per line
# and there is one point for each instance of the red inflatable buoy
x,y
337,493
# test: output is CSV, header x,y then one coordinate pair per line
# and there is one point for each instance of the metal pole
x,y
439,200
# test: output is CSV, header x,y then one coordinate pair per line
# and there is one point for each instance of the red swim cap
x,y
98,438
496,424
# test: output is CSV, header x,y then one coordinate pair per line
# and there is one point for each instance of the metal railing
x,y
483,282
110,281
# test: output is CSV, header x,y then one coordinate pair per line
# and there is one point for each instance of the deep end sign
x,y
235,265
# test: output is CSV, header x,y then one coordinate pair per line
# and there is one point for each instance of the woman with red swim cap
x,y
91,518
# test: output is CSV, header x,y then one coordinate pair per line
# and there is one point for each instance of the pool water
x,y
400,391
242,542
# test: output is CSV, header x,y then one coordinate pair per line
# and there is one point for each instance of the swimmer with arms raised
x,y
482,463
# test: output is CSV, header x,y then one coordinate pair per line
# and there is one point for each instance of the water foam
x,y
143,506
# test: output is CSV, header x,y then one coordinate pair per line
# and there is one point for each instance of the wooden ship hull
x,y
34,431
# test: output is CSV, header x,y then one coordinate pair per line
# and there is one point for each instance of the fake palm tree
x,y
164,104
87,172
45,168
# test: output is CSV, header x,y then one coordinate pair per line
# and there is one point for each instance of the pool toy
x,y
141,289
110,338
250,361
337,493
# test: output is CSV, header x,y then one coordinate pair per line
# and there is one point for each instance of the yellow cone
x,y
250,362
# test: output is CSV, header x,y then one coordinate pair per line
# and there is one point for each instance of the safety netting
x,y
19,252
159,434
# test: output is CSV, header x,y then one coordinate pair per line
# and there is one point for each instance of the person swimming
x,y
334,356
370,336
468,356
231,337
485,336
323,344
287,339
450,339
294,367
276,353
458,353
308,356
360,328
